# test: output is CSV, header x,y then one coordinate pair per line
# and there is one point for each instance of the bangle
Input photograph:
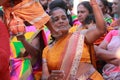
x,y
44,61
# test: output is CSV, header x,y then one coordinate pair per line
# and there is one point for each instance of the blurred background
x,y
76,2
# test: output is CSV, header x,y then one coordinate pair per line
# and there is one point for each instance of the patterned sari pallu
x,y
75,69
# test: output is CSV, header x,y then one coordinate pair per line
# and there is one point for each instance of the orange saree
x,y
56,59
27,10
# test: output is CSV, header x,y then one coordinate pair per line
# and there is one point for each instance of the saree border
x,y
75,48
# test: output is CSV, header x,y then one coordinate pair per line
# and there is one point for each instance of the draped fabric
x,y
20,68
110,71
17,46
27,10
53,56
75,20
108,20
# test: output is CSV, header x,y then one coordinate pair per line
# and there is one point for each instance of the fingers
x,y
115,62
56,75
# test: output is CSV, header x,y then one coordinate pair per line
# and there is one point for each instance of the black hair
x,y
90,18
57,3
44,6
63,5
110,8
106,5
87,5
1,13
105,2
13,2
56,8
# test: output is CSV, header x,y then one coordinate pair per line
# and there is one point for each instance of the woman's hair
x,y
14,2
105,2
56,8
110,8
87,5
1,13
90,18
58,3
63,5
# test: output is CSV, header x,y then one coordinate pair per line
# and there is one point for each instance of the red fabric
x,y
4,53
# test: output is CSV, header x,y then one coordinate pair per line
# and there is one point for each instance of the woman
x,y
27,52
84,9
70,5
68,48
107,51
60,3
104,7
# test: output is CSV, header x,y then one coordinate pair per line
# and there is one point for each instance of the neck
x,y
60,37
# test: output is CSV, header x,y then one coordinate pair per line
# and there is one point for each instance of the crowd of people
x,y
45,40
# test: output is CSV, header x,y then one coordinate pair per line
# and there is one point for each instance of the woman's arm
x,y
106,55
31,48
45,72
94,34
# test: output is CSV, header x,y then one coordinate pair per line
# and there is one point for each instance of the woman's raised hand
x,y
93,2
56,75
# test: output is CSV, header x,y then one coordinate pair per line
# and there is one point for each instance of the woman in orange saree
x,y
68,58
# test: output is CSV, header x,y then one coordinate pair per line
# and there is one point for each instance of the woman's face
x,y
101,5
60,23
69,4
115,5
82,13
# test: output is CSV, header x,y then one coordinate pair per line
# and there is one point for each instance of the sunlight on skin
x,y
118,53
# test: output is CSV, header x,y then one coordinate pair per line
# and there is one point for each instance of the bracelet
x,y
44,61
